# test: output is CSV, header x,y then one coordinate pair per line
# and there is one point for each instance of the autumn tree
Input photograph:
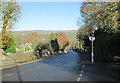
x,y
103,15
33,38
62,40
73,44
10,12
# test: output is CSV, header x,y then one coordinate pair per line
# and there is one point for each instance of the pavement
x,y
6,65
63,67
101,72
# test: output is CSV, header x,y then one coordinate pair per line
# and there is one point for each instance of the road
x,y
64,67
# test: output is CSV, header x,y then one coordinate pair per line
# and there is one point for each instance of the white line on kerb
x,y
78,79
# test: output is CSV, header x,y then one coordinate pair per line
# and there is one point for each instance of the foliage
x,y
73,44
103,15
33,37
10,12
52,36
22,47
10,46
54,45
53,42
106,46
62,40
27,48
33,46
82,36
42,49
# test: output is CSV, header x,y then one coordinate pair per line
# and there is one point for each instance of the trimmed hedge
x,y
106,46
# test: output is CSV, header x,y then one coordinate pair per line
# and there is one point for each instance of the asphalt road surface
x,y
64,67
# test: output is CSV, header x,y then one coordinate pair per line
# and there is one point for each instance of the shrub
x,y
27,48
106,46
11,44
33,46
22,47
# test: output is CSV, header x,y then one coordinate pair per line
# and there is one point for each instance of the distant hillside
x,y
71,34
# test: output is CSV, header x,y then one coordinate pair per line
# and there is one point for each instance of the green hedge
x,y
106,46
10,44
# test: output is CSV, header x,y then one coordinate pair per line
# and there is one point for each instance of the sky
x,y
49,16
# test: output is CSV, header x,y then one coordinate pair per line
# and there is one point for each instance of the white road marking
x,y
58,60
81,71
80,75
78,79
83,66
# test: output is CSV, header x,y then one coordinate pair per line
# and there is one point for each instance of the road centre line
x,y
80,75
78,79
83,66
82,71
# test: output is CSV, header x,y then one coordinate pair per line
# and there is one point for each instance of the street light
x,y
92,38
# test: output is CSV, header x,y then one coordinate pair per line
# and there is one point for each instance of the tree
x,y
62,40
54,46
10,12
34,38
52,36
11,44
82,36
103,15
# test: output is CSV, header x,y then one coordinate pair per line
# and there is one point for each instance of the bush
x,y
33,46
27,48
106,46
22,47
11,44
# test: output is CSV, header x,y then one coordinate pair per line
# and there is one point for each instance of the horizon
x,y
45,30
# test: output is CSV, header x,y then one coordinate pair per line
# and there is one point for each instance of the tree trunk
x,y
4,36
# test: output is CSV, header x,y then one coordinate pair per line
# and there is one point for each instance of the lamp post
x,y
92,38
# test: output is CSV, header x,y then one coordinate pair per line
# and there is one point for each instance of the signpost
x,y
92,38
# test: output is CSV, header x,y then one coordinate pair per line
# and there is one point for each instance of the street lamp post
x,y
92,38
